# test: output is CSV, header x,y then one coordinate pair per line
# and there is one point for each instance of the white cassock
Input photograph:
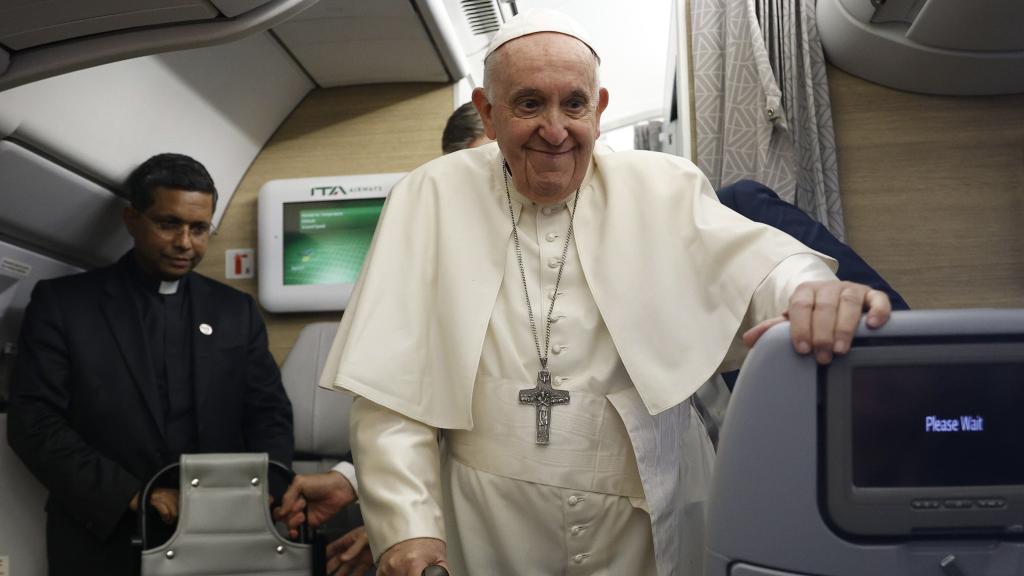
x,y
658,281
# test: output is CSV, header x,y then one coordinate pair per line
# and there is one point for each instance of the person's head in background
x,y
170,216
463,130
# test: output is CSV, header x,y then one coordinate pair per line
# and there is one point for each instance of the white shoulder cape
x,y
671,269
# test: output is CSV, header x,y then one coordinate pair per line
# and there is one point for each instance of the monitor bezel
x,y
888,511
276,296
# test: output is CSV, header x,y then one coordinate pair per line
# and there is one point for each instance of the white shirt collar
x,y
167,288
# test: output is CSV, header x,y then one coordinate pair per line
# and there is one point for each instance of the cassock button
x,y
549,210
206,329
551,236
554,262
558,349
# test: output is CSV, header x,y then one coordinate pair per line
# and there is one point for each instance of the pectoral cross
x,y
543,397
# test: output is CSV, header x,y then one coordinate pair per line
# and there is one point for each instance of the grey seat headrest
x,y
321,416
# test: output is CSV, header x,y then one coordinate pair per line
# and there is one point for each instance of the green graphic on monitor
x,y
326,242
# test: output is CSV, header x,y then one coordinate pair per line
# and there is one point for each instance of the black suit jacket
x,y
761,204
84,407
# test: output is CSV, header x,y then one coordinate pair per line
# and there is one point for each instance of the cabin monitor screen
x,y
938,425
326,242
924,438
314,236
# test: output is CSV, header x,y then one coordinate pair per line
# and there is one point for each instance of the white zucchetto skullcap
x,y
535,21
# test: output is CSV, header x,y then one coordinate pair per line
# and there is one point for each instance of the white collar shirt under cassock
x,y
671,271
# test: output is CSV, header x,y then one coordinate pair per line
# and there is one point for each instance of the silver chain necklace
x,y
542,396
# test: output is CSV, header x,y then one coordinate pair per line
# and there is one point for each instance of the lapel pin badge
x,y
206,329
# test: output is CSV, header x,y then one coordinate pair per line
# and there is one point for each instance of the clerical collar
x,y
168,287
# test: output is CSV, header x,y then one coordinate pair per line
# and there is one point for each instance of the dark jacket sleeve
x,y
90,487
268,412
760,204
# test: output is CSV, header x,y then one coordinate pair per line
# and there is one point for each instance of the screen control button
x,y
959,504
991,503
925,504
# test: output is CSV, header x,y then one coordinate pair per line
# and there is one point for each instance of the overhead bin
x,y
55,211
26,25
928,46
214,104
232,8
342,43
79,42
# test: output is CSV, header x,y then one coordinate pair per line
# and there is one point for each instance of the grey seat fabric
x,y
22,517
224,525
320,415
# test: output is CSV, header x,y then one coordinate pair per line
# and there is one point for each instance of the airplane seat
x,y
320,416
22,514
901,457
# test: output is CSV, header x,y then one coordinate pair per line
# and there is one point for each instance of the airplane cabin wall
x,y
218,104
336,131
933,191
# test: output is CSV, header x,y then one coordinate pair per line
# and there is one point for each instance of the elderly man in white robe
x,y
551,306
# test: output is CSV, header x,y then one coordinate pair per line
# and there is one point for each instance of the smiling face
x,y
542,104
171,234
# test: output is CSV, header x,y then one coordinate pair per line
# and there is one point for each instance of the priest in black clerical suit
x,y
123,369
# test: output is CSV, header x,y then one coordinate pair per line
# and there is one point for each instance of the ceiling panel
x,y
347,42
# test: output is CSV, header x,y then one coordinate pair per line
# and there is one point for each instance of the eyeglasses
x,y
172,227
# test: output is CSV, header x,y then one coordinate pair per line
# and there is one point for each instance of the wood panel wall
x,y
351,130
933,189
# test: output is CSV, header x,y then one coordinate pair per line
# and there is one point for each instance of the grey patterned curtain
x,y
762,101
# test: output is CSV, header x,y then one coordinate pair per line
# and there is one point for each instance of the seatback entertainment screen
x,y
326,242
938,425
925,439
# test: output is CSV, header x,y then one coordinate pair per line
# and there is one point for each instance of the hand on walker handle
x,y
414,557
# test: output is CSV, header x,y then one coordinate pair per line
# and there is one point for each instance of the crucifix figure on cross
x,y
543,397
